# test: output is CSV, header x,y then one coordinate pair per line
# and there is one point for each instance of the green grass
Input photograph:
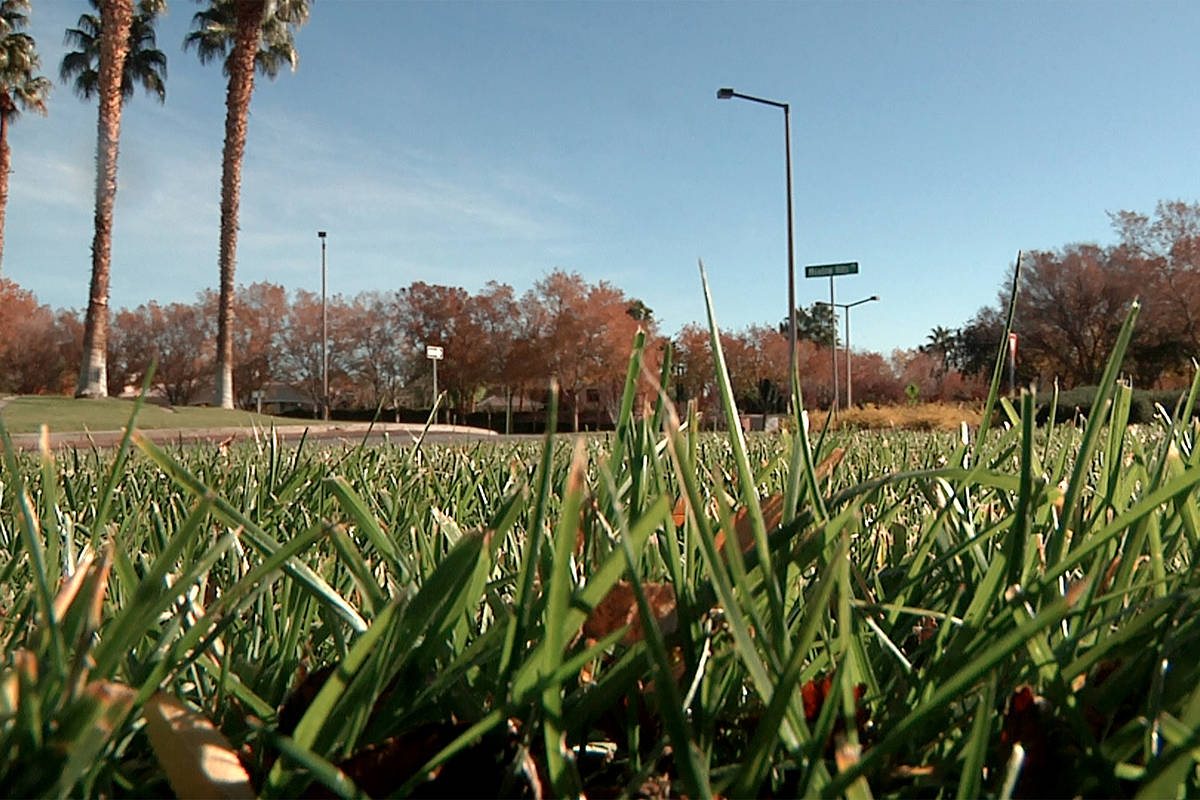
x,y
1017,615
25,414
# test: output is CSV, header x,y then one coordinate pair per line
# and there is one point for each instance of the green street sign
x,y
827,270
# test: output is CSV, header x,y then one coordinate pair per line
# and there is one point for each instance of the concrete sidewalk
x,y
349,432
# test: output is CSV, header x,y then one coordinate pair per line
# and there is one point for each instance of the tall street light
x,y
726,94
847,307
324,336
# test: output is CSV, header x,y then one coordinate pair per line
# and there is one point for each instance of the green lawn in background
x,y
65,414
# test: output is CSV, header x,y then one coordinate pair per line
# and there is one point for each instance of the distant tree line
x,y
1072,301
495,342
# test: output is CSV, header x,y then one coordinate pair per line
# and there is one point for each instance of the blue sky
x,y
461,142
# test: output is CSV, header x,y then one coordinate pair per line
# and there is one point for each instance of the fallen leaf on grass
x,y
71,584
478,770
814,692
679,513
197,758
772,508
619,608
301,697
743,526
88,584
813,695
380,769
825,468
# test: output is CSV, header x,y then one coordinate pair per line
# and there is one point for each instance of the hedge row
x,y
1075,404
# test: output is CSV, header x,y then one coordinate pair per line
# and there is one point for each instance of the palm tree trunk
x,y
237,112
116,18
6,108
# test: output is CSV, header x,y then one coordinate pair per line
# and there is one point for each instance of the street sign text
x,y
829,270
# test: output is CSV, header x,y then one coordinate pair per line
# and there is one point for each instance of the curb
x,y
346,432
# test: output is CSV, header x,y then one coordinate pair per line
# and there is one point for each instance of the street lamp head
x,y
873,297
321,234
724,94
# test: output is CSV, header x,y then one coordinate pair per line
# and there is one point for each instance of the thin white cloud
x,y
48,179
310,172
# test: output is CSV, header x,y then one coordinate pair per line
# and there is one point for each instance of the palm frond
x,y
145,64
215,29
19,62
213,33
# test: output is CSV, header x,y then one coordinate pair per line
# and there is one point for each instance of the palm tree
x,y
941,342
144,62
116,50
245,35
639,311
20,87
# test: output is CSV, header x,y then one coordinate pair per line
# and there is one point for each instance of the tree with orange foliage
x,y
437,315
583,335
379,352
300,347
174,335
32,358
495,319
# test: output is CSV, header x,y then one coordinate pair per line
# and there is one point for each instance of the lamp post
x,y
324,336
726,94
847,307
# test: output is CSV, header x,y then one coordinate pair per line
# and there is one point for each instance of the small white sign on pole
x,y
434,354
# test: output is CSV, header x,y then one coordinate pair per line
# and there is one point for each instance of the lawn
x,y
25,414
652,613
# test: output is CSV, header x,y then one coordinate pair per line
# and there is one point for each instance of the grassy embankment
x,y
26,413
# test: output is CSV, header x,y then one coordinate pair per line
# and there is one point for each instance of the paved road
x,y
329,432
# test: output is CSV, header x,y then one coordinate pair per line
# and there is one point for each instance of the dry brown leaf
x,y
307,685
679,513
116,696
92,574
772,511
99,575
197,758
70,585
825,468
380,769
619,608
